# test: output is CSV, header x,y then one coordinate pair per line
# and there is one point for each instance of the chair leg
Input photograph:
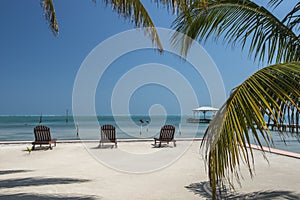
x,y
116,145
33,146
174,143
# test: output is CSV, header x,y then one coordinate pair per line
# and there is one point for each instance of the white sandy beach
x,y
70,171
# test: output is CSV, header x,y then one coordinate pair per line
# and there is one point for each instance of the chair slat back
x,y
108,132
167,133
42,133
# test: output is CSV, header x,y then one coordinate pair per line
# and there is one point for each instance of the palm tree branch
x,y
237,22
242,119
50,15
135,11
292,19
275,3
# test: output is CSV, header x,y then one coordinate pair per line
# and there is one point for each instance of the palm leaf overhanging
x,y
135,11
50,15
275,3
292,19
272,92
240,22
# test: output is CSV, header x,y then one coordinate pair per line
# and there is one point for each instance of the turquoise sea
x,y
20,128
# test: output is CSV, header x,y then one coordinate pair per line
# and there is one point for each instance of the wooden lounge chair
x,y
108,134
166,135
43,137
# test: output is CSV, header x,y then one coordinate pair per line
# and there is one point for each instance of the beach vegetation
x,y
28,149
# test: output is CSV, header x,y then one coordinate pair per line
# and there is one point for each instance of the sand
x,y
75,171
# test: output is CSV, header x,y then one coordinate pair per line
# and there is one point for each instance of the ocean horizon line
x,y
106,115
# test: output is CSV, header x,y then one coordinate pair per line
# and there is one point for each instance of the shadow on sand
x,y
24,182
40,181
4,172
24,196
203,190
41,148
162,146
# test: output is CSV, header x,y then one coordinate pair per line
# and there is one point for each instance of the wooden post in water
x,y
67,116
77,129
142,121
147,125
41,118
179,127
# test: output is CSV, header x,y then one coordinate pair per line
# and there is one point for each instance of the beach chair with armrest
x,y
108,135
43,137
166,135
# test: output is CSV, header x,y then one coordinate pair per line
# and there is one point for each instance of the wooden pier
x,y
293,128
198,120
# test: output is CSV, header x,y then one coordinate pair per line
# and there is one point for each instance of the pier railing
x,y
293,128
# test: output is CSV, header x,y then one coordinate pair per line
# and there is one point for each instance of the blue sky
x,y
37,70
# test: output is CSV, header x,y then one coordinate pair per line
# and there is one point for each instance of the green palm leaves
x,y
241,22
129,9
135,11
50,15
269,96
292,19
271,93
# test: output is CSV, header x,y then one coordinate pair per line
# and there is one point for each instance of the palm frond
x,y
178,6
238,22
293,18
135,11
271,94
275,3
50,15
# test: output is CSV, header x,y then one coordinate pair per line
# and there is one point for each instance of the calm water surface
x,y
20,128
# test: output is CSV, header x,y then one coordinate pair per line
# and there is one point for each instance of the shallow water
x,y
20,128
